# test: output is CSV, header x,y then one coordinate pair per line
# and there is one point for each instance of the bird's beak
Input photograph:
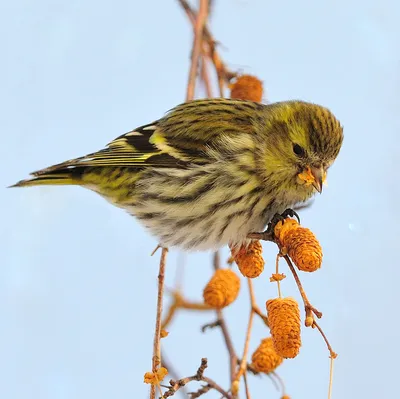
x,y
318,174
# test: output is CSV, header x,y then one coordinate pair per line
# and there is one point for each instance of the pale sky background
x,y
77,285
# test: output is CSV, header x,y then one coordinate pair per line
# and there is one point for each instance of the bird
x,y
210,171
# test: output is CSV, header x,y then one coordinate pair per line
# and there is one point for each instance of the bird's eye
x,y
298,150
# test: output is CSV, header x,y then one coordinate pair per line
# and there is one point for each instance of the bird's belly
x,y
206,232
208,222
200,227
198,211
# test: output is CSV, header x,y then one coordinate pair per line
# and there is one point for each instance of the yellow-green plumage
x,y
210,171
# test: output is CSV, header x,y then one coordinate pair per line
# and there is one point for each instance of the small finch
x,y
210,171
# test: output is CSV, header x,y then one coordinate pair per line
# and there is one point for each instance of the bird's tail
x,y
53,176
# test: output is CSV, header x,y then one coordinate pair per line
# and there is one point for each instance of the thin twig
x,y
156,361
229,344
277,272
176,385
180,302
331,377
274,380
203,390
225,332
223,73
189,12
333,354
199,376
243,363
250,368
263,317
214,385
155,249
258,312
197,47
246,386
172,372
307,303
219,67
170,315
205,76
281,382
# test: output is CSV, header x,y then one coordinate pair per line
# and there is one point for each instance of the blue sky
x,y
77,285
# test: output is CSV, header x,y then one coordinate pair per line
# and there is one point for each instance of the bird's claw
x,y
290,213
268,234
278,217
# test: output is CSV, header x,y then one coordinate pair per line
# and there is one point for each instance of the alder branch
x,y
204,389
243,364
156,360
246,386
224,75
197,48
175,386
172,372
224,328
205,76
179,302
307,304
262,316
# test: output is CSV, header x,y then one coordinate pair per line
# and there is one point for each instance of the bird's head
x,y
308,138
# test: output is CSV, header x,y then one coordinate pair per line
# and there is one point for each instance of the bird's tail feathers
x,y
69,175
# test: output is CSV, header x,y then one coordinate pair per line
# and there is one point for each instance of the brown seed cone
x,y
222,289
284,323
249,259
265,359
301,244
247,87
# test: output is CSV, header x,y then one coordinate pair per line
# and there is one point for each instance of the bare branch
x,y
199,376
156,361
205,75
223,73
197,48
307,303
243,363
225,332
204,389
172,372
229,344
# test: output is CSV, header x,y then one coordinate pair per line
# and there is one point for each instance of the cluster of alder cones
x,y
283,313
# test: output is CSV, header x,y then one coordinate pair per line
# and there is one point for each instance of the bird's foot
x,y
278,217
269,235
289,213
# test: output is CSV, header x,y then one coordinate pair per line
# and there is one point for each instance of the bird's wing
x,y
191,133
198,130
